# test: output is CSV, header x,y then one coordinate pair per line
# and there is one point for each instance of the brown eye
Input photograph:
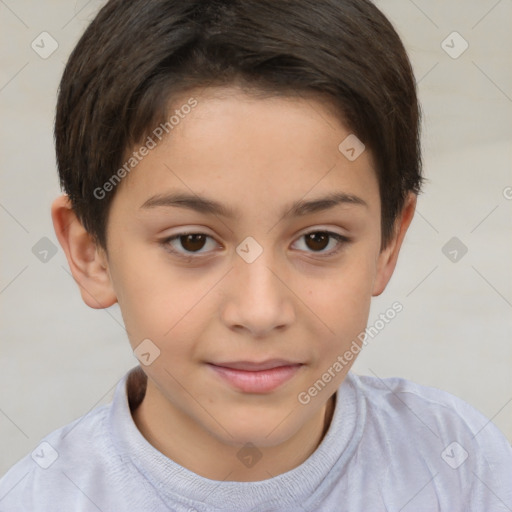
x,y
317,241
188,245
323,243
194,242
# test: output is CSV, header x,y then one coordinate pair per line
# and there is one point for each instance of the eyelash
x,y
341,239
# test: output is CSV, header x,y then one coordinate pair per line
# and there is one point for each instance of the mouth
x,y
253,377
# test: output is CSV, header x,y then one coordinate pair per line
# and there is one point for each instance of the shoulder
x,y
32,483
407,401
424,430
85,465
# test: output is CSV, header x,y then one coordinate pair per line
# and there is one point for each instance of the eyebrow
x,y
212,207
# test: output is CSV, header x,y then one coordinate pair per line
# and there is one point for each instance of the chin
x,y
259,428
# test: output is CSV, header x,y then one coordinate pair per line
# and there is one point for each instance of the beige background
x,y
59,359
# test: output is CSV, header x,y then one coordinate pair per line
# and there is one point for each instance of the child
x,y
239,177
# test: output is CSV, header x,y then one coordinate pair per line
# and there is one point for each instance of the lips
x,y
254,367
256,377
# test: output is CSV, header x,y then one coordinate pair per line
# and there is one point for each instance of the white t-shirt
x,y
392,446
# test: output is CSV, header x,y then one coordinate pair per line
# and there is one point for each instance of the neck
x,y
181,439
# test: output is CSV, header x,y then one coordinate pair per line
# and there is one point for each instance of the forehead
x,y
238,146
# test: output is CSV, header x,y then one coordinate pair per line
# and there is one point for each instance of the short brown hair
x,y
137,55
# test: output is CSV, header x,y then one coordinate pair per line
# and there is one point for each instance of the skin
x,y
297,301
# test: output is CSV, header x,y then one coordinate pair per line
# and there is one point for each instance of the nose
x,y
257,297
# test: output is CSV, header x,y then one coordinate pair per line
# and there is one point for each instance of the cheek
x,y
342,302
161,303
139,294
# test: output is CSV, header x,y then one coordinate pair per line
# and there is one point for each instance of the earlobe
x,y
87,261
389,256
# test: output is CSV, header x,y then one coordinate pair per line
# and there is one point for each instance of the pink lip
x,y
253,377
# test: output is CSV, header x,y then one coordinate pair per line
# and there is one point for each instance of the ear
x,y
87,260
389,255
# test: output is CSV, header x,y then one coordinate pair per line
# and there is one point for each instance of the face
x,y
246,248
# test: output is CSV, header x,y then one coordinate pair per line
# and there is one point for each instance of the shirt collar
x,y
297,486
